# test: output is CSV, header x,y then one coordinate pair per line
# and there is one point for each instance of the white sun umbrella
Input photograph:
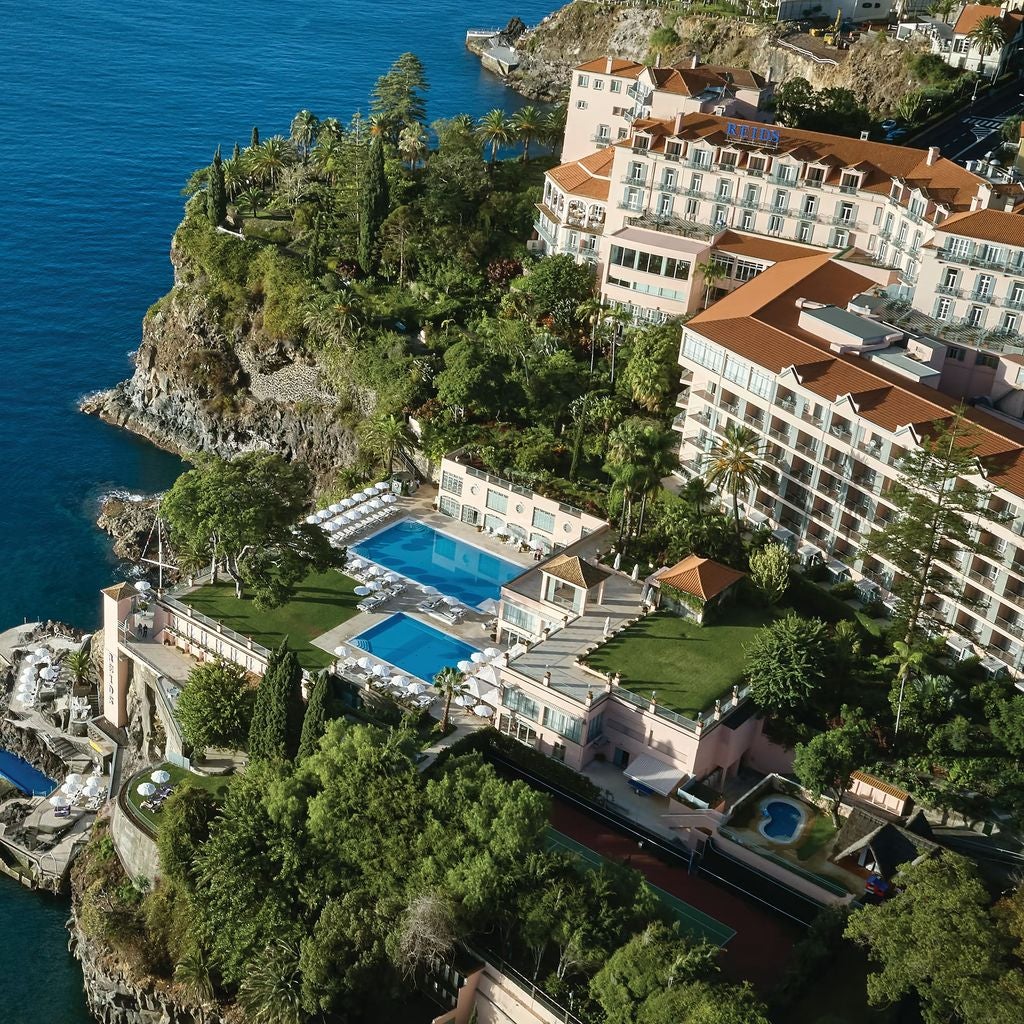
x,y
492,697
160,776
451,601
381,671
489,674
368,492
312,520
400,680
490,606
389,499
415,689
373,570
323,515
478,657
145,789
483,711
365,663
341,651
492,652
382,485
389,577
465,700
49,674
74,779
336,507
362,591
465,666
431,591
60,800
356,564
350,517
143,586
375,503
373,586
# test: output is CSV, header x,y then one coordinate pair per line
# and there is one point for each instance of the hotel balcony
x,y
671,225
1012,626
679,421
546,234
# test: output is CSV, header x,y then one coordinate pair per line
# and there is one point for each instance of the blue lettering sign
x,y
753,133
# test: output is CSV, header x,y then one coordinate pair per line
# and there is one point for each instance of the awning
x,y
656,775
959,643
756,518
780,533
866,586
807,548
837,568
993,666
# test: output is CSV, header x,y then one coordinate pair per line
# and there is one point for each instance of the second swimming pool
x,y
416,648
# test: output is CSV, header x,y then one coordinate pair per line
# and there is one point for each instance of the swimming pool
x,y
416,648
783,819
434,559
29,780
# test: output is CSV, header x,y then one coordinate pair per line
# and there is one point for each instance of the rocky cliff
x,y
875,68
201,385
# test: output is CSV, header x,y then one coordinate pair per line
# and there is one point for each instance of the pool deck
x,y
473,629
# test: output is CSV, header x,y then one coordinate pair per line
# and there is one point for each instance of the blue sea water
x,y
106,107
421,553
414,647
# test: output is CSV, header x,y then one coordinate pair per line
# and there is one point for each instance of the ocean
x,y
107,106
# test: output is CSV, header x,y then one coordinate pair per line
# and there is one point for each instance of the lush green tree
x,y
936,939
79,664
305,127
373,207
944,8
267,160
701,1003
527,124
185,823
215,706
412,143
276,728
271,992
788,661
253,198
641,452
399,96
652,961
989,37
735,464
557,286
242,515
938,505
450,683
769,571
663,41
826,762
254,139
216,191
386,438
314,721
651,374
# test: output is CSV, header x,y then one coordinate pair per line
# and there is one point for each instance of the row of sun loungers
x,y
338,537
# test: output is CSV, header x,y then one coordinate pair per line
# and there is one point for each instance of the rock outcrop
x,y
115,997
128,519
202,386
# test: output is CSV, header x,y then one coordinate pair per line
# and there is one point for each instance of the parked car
x,y
895,134
889,125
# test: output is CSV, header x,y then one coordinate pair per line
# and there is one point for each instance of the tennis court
x,y
693,922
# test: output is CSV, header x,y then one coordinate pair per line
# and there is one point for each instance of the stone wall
x,y
137,851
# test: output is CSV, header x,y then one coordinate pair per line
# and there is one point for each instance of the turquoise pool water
x,y
28,779
414,647
423,554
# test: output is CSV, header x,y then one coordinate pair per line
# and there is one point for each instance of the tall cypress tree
x,y
258,747
236,152
373,206
216,192
315,720
255,140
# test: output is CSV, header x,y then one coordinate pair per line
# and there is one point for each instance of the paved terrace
x,y
558,653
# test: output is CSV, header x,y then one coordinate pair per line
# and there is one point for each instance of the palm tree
x,y
192,976
267,160
907,661
735,464
79,664
528,124
412,143
711,271
235,176
943,8
304,128
330,128
272,990
697,494
554,126
254,198
386,437
620,320
494,129
592,311
640,453
328,156
988,36
450,683
333,316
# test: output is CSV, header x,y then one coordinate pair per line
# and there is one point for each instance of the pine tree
x,y
236,152
260,714
216,192
315,720
398,96
314,261
373,207
255,140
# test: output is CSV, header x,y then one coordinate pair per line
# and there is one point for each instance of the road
x,y
975,131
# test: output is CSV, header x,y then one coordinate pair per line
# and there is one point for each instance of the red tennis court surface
x,y
762,943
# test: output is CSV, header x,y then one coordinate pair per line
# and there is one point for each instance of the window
x,y
954,352
583,81
669,178
990,254
723,189
496,501
558,752
448,506
847,213
942,311
518,730
702,352
976,316
747,222
451,482
949,278
692,209
696,182
804,232
581,104
781,200
673,150
720,215
517,701
917,207
595,727
785,173
520,617
1016,295
598,84
760,383
984,359
755,164
565,725
736,370
664,205
631,198
621,133
774,225
470,515
841,239
901,235
1010,321
983,286
649,263
849,180
615,85
728,160
604,133
543,520
810,206
701,158
637,171
959,247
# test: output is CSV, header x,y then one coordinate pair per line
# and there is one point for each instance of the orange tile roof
x,y
588,177
701,577
760,322
575,570
882,787
947,182
974,14
757,248
620,68
990,225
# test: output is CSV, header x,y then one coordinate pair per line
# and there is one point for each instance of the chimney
x,y
864,136
657,59
608,65
933,155
678,126
695,61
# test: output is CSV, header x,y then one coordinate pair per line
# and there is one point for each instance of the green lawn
x,y
688,665
817,837
322,601
218,785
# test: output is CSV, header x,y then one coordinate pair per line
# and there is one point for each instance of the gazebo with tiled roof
x,y
571,582
696,584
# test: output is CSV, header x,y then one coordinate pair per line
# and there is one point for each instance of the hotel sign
x,y
756,134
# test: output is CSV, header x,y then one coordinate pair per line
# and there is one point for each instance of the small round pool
x,y
782,819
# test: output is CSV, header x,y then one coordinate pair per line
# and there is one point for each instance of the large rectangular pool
x,y
434,559
416,648
29,780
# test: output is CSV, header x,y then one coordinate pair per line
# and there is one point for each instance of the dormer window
x,y
641,143
756,164
672,150
701,158
727,159
896,190
850,181
815,176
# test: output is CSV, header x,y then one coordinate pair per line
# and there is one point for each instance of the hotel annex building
x,y
839,296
